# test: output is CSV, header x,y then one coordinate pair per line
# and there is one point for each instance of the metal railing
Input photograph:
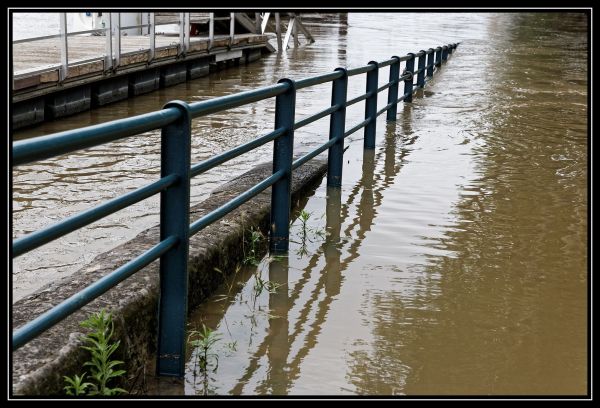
x,y
174,120
112,50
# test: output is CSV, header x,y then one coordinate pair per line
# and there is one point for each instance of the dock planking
x,y
36,64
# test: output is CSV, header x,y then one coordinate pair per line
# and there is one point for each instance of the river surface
x,y
453,261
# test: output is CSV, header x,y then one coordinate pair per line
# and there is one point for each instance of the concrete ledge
x,y
39,366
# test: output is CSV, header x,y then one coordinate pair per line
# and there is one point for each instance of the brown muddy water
x,y
453,260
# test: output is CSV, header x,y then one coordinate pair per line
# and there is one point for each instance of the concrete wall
x,y
39,366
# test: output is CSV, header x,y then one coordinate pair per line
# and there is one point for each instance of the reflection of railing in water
x,y
176,171
277,344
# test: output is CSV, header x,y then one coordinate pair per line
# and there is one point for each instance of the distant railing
x,y
176,171
112,52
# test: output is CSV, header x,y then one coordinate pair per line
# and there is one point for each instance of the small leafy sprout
x,y
254,239
102,368
204,340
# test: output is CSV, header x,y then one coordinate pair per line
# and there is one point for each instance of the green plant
x,y
102,368
204,340
254,239
76,387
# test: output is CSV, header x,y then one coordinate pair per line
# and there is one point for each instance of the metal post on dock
x,y
278,32
117,38
231,28
211,30
421,68
174,221
109,54
337,123
186,25
152,32
393,90
64,47
408,83
371,105
283,150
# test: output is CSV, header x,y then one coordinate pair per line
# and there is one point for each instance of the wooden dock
x,y
36,64
92,79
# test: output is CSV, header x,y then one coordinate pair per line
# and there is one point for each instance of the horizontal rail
x,y
47,37
235,152
231,205
44,147
357,127
300,161
361,70
316,116
386,86
386,63
59,312
41,237
232,101
358,99
306,82
385,108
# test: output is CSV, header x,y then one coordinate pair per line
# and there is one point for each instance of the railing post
x,y
117,38
430,64
231,28
421,67
283,150
393,90
371,106
444,53
211,30
152,35
181,34
337,126
109,53
408,83
64,48
174,220
278,31
438,57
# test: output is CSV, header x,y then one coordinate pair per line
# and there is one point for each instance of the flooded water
x,y
453,260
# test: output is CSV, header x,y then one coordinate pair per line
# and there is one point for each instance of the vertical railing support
x,y
186,23
283,150
211,30
109,53
117,38
430,64
231,28
393,90
438,56
371,106
64,48
174,220
444,53
278,32
151,34
181,34
337,126
421,68
408,83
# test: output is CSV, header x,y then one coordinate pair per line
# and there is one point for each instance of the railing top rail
x,y
44,147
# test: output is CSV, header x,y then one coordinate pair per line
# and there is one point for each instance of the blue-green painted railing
x,y
176,171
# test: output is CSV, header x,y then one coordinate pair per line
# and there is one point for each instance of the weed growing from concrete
x,y
102,368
